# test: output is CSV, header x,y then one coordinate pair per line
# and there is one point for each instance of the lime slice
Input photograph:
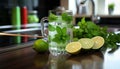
x,y
40,45
73,47
99,41
87,43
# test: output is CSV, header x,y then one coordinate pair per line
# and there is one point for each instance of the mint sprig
x,y
66,17
51,28
88,29
61,36
52,17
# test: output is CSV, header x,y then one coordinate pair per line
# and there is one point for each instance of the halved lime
x,y
99,42
86,43
40,45
73,47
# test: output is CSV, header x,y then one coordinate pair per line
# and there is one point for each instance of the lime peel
x,y
40,45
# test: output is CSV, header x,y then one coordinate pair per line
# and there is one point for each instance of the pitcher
x,y
59,31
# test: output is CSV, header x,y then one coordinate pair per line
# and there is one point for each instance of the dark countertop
x,y
27,58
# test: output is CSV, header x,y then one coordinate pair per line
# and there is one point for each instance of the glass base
x,y
55,51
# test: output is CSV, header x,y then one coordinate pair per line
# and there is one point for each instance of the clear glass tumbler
x,y
59,31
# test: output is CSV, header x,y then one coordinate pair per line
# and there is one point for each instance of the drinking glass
x,y
59,31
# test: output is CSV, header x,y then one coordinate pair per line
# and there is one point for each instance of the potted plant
x,y
111,8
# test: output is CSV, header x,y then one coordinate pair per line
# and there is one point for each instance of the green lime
x,y
40,45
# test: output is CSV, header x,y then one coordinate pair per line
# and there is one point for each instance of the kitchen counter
x,y
27,58
102,19
103,16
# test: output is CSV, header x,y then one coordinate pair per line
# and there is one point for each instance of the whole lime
x,y
40,45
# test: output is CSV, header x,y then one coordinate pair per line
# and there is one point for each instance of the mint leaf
x,y
64,30
91,25
52,17
67,37
51,28
59,30
61,36
82,24
83,20
66,17
57,38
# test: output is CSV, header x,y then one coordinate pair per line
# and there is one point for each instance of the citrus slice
x,y
73,47
99,41
87,43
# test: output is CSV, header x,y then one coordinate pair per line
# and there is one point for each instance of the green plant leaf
x,y
61,36
111,6
90,29
51,28
64,30
52,17
57,38
83,20
59,30
66,17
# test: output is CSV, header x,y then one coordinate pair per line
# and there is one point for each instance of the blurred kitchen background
x,y
101,6
23,16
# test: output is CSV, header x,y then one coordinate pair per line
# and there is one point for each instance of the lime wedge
x,y
87,43
73,47
99,42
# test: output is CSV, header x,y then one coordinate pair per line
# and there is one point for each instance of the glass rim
x,y
59,12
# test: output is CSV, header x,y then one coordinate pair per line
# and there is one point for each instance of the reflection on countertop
x,y
93,60
112,60
27,58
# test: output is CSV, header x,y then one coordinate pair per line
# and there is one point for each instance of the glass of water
x,y
59,31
